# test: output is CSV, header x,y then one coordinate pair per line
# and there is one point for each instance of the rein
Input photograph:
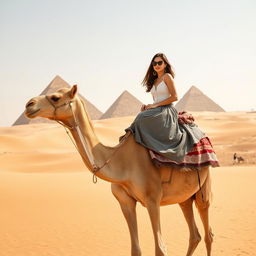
x,y
76,127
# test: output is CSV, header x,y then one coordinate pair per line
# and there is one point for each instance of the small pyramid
x,y
54,85
195,100
125,105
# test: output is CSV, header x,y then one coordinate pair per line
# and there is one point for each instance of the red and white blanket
x,y
202,153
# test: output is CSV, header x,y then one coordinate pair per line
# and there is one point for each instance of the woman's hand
x,y
149,106
142,107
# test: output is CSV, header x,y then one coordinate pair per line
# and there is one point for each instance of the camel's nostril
x,y
30,103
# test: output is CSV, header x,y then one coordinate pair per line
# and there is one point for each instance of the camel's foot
x,y
161,254
161,251
208,242
136,251
193,243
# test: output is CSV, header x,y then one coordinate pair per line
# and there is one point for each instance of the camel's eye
x,y
55,98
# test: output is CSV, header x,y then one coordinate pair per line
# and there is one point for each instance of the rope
x,y
71,138
95,168
199,182
170,178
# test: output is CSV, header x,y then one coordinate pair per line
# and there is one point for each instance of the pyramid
x,y
56,84
195,100
125,105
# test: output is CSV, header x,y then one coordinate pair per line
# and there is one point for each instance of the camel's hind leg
x,y
194,236
203,204
128,206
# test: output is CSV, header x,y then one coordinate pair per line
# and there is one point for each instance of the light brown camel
x,y
133,176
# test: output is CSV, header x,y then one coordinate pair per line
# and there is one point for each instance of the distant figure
x,y
237,159
240,159
234,158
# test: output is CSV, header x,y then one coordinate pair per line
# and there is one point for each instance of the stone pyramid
x,y
56,84
195,100
125,105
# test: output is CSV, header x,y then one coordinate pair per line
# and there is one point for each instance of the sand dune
x,y
51,207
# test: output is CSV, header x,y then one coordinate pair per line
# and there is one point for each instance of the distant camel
x,y
237,159
129,168
240,159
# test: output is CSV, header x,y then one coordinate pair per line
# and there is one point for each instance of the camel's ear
x,y
73,91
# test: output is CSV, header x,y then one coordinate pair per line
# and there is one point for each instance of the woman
x,y
156,127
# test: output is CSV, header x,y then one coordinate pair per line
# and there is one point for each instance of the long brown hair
x,y
151,75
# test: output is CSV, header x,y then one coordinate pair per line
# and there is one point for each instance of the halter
x,y
76,127
55,110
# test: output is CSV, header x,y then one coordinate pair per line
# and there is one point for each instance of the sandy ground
x,y
49,205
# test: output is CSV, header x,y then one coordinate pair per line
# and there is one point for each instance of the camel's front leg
x,y
128,206
194,236
153,207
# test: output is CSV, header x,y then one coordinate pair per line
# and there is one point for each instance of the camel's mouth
x,y
31,114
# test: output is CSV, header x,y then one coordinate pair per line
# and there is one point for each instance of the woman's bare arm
x,y
173,94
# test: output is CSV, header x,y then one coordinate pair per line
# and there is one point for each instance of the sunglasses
x,y
159,63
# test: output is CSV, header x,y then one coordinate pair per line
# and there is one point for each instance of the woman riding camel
x,y
157,126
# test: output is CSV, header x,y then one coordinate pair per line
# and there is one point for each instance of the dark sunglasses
x,y
159,63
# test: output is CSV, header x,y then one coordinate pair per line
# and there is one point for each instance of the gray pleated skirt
x,y
158,129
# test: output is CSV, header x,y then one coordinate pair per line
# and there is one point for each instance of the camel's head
x,y
53,106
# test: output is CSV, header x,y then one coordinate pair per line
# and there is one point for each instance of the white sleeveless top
x,y
160,93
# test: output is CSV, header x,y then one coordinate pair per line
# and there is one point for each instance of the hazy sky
x,y
106,46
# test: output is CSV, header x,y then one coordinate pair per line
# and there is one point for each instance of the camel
x,y
131,172
238,159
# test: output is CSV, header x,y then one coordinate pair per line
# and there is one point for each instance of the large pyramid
x,y
195,100
125,105
54,85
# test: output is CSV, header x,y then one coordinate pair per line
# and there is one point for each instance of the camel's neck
x,y
90,148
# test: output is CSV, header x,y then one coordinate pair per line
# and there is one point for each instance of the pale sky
x,y
106,46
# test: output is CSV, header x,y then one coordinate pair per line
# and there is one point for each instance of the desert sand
x,y
49,205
